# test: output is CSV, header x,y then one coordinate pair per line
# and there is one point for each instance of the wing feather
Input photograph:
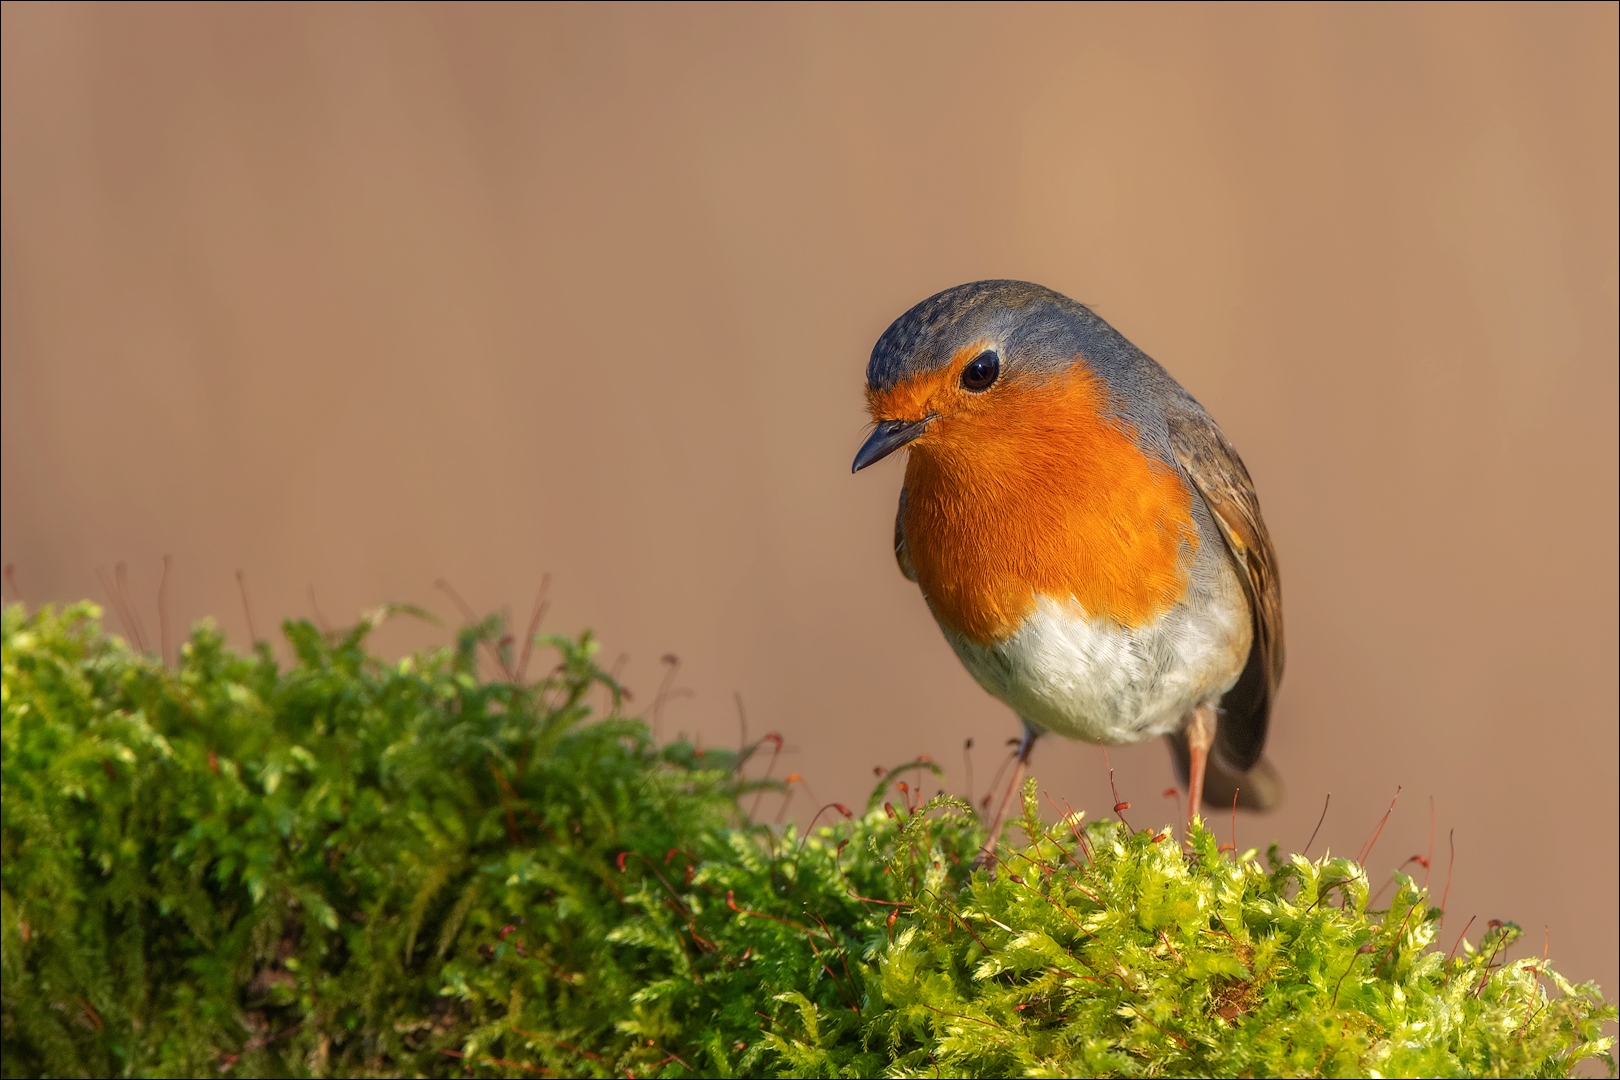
x,y
901,555
1219,474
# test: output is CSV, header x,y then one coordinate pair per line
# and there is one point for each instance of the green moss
x,y
349,867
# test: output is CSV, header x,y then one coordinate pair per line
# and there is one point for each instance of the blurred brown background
x,y
354,298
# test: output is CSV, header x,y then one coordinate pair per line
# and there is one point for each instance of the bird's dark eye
x,y
981,372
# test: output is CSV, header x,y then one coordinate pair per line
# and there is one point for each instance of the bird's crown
x,y
1032,329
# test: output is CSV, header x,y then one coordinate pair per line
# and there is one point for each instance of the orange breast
x,y
1030,490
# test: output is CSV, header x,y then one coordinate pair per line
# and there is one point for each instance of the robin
x,y
1087,539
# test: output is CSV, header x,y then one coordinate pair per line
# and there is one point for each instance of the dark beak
x,y
890,436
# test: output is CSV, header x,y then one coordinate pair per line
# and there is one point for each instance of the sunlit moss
x,y
350,867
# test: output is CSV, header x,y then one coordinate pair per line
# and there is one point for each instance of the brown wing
x,y
1218,472
900,554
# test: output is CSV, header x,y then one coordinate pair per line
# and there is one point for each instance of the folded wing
x,y
1240,737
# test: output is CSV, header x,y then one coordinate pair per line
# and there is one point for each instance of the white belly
x,y
1093,679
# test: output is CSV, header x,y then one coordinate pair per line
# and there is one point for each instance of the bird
x,y
1086,538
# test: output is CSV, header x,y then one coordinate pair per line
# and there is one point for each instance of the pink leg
x,y
1200,737
994,835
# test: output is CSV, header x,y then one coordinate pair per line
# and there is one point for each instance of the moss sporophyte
x,y
351,867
